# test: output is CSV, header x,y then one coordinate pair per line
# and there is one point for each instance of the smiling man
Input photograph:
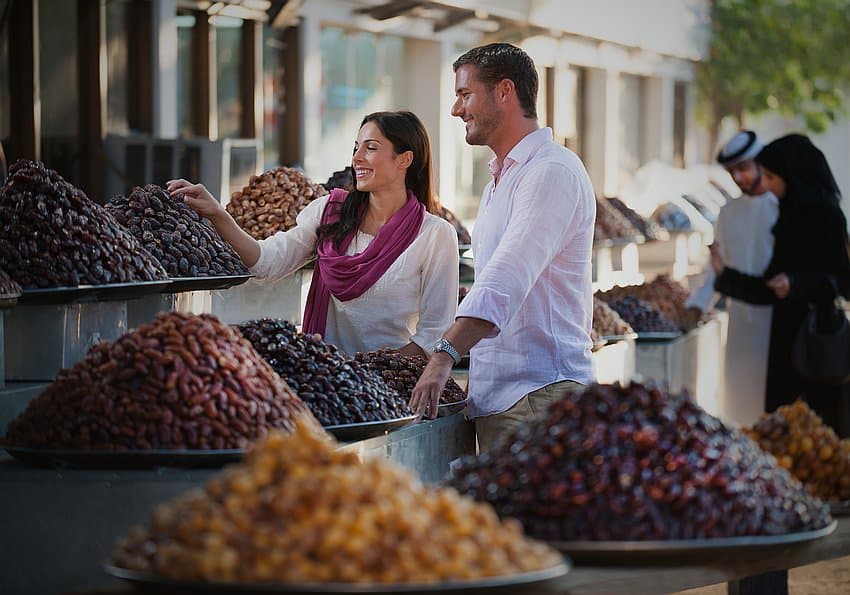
x,y
526,321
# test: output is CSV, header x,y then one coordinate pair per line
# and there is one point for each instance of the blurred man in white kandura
x,y
743,236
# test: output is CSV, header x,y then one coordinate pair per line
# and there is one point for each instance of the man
x,y
744,241
529,313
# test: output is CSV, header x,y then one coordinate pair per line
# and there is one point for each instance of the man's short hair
x,y
498,61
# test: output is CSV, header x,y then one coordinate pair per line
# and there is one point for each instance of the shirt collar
x,y
523,150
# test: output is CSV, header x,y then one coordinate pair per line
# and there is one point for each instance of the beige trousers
x,y
490,427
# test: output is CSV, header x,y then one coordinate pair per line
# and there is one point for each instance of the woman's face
x,y
773,182
375,162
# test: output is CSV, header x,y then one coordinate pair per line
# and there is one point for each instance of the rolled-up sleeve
x,y
439,290
287,251
547,207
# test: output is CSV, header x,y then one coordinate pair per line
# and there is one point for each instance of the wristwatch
x,y
444,345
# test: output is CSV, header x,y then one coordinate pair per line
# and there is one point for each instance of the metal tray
x,y
839,508
623,551
8,300
502,584
179,284
367,429
618,338
128,459
658,335
91,293
446,409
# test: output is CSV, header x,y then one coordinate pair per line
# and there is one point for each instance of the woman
x,y
809,263
386,270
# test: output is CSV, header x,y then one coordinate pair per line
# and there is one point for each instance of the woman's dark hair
x,y
498,61
803,168
406,133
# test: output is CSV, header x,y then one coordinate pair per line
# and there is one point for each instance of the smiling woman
x,y
386,273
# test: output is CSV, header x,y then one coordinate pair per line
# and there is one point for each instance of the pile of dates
x,y
648,228
271,201
298,510
185,243
606,322
611,224
401,372
52,235
665,295
641,316
632,463
181,382
338,389
343,178
8,288
808,448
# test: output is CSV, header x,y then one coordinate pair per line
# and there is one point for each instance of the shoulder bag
x,y
822,347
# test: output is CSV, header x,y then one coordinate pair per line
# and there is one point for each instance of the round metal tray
x,y
446,409
155,584
839,508
658,335
128,459
367,429
91,293
621,551
179,284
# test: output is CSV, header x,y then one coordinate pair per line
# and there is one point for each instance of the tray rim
x,y
211,282
387,424
839,507
446,409
658,335
524,578
101,459
618,338
685,546
89,293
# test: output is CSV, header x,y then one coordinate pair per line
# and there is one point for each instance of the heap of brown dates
x,y
338,389
52,235
663,294
401,372
181,382
606,322
271,201
611,224
632,463
185,243
647,227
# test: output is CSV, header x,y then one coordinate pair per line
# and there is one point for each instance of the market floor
x,y
824,578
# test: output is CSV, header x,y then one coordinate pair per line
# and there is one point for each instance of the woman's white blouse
x,y
415,300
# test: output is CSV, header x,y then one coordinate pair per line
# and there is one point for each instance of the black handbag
x,y
822,345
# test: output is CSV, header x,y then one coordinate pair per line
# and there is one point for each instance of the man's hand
x,y
717,263
426,394
780,285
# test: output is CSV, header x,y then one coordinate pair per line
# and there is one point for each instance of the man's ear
x,y
504,89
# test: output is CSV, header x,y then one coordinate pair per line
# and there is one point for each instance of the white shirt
x,y
743,234
415,300
532,242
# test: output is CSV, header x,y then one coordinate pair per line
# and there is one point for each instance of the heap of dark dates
x,y
664,294
52,235
632,463
338,389
181,382
185,243
401,372
641,316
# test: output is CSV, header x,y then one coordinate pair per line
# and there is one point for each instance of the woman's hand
x,y
780,285
717,263
197,197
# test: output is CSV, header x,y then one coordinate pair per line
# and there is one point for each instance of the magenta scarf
x,y
348,277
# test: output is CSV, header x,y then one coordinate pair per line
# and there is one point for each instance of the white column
x,y
660,92
424,62
312,96
164,45
603,134
691,146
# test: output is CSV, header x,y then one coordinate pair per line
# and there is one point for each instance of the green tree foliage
x,y
789,56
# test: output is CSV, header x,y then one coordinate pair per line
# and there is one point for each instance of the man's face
x,y
475,105
747,176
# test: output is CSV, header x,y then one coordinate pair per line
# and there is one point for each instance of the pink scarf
x,y
348,277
